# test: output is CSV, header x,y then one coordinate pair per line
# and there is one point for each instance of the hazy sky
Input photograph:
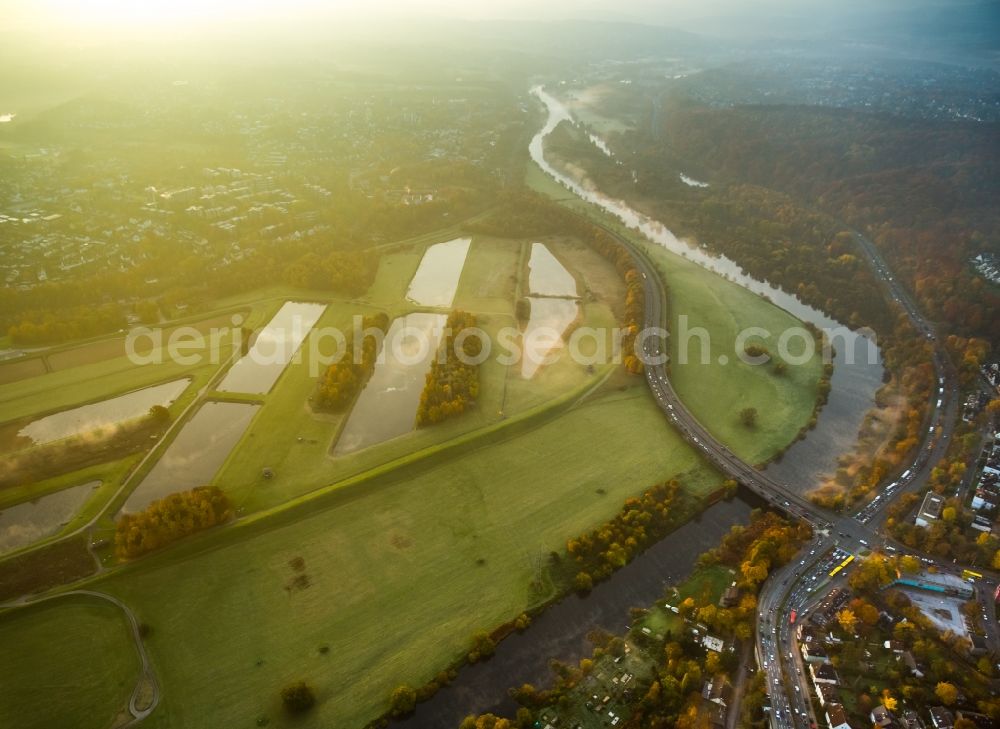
x,y
155,14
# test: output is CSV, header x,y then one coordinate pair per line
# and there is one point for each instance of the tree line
x,y
641,521
925,190
343,380
169,519
671,696
451,386
521,214
346,272
44,326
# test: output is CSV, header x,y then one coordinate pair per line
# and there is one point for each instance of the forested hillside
x,y
925,191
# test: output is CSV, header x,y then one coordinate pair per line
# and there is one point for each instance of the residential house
x,y
941,718
881,717
824,673
836,718
930,509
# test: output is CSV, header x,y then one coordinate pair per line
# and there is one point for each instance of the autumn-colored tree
x,y
403,700
452,384
169,519
485,721
946,692
583,582
343,379
483,647
888,701
848,621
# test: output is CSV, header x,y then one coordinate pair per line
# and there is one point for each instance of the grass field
x,y
293,442
403,566
88,383
396,590
716,392
76,665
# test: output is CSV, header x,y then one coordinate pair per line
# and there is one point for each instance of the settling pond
x,y
542,334
92,418
554,306
272,350
31,521
436,280
195,455
547,276
387,407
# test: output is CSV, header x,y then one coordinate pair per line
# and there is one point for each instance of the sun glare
x,y
152,14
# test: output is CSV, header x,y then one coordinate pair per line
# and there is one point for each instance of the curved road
x,y
795,586
147,677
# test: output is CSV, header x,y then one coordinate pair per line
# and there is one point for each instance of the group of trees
x,y
346,272
635,294
968,354
641,521
452,386
404,698
45,326
756,221
943,657
343,379
951,536
925,189
169,519
754,550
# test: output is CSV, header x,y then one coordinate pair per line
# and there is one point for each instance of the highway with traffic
x,y
799,584
805,582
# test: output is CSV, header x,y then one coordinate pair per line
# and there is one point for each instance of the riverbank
x,y
856,375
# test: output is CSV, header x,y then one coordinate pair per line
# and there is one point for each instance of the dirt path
x,y
146,694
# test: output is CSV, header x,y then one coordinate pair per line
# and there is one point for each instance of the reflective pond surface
x,y
100,415
542,335
600,144
547,276
32,521
272,350
437,276
387,407
196,454
691,182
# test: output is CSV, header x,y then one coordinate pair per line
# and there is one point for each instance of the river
x,y
560,632
858,370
